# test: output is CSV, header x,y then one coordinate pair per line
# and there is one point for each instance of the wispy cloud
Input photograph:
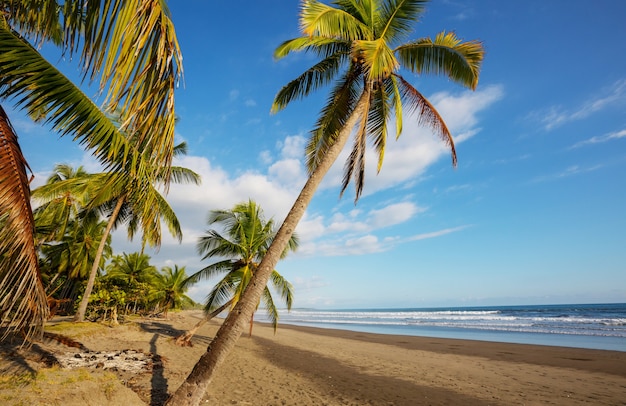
x,y
599,139
568,172
353,233
557,115
435,234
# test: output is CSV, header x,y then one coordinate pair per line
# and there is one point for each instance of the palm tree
x,y
171,289
135,274
136,201
364,38
74,253
58,214
60,201
132,269
131,47
243,244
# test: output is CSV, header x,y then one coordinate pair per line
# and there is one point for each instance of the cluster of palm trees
x,y
131,47
75,214
132,284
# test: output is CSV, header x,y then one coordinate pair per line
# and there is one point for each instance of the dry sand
x,y
307,366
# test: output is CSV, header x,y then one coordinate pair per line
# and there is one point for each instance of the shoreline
x,y
603,343
302,365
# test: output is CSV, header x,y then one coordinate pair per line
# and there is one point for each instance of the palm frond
x,y
132,45
38,20
319,19
397,18
379,59
315,77
38,86
382,106
322,47
161,211
334,115
396,102
284,288
364,11
209,271
180,175
23,304
447,55
270,307
427,114
355,164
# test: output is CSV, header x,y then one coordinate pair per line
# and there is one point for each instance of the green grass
x,y
76,330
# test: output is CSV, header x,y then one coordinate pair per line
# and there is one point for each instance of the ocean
x,y
595,326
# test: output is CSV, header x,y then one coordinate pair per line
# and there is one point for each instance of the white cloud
x,y
353,233
393,214
265,157
292,146
557,115
306,284
598,139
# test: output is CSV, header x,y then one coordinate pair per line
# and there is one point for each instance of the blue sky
x,y
533,214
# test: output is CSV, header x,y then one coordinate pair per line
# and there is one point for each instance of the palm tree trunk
x,y
251,324
192,390
184,339
114,321
82,308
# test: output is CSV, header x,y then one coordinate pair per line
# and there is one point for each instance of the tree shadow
x,y
20,358
163,329
158,382
343,383
167,330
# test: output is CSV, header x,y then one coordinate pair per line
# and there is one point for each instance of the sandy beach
x,y
308,366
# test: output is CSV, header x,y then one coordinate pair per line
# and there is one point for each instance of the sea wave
x,y
575,320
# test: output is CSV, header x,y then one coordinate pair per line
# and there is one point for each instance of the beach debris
x,y
121,360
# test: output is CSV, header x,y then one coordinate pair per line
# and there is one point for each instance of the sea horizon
x,y
599,326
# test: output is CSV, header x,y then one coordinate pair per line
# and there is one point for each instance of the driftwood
x,y
184,340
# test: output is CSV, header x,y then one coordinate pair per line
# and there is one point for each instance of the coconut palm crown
x,y
361,50
241,237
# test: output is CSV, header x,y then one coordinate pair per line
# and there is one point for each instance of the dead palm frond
x,y
23,305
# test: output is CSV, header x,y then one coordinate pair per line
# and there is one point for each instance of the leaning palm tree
x,y
126,198
242,244
131,47
360,44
